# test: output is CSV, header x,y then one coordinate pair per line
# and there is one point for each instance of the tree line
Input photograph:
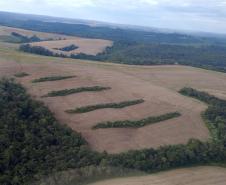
x,y
207,57
32,141
26,39
118,105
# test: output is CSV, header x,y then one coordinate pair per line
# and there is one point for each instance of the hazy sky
x,y
200,15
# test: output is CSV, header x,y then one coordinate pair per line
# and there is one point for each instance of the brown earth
x,y
156,85
4,30
189,176
87,46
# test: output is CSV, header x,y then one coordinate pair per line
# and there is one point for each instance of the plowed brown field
x,y
87,46
157,85
189,176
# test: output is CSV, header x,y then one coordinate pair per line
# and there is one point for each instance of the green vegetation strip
x,y
214,116
119,105
52,78
66,92
21,75
137,123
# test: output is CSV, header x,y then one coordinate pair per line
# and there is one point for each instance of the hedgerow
x,y
52,78
66,92
137,123
119,105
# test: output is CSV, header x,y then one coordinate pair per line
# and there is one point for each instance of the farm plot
x,y
83,45
86,46
189,176
127,83
6,31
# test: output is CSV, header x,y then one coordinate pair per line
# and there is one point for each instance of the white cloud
x,y
206,15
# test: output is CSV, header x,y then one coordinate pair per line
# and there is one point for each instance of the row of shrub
x,y
52,78
66,92
68,48
40,50
21,74
104,106
137,123
24,39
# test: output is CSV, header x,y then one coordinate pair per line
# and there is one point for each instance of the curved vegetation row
x,y
119,105
34,143
52,78
66,92
215,115
137,123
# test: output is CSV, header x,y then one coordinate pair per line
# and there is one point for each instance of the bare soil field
x,y
87,46
4,30
157,85
189,176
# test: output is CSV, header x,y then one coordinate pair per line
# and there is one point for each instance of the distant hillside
x,y
131,46
104,31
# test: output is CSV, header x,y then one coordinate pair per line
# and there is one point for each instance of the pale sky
x,y
197,15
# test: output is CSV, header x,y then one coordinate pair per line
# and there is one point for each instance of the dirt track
x,y
127,83
189,176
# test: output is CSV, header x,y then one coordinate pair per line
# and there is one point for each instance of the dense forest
x,y
33,142
207,57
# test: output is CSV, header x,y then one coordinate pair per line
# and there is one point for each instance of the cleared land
x,y
189,176
85,45
4,30
157,85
